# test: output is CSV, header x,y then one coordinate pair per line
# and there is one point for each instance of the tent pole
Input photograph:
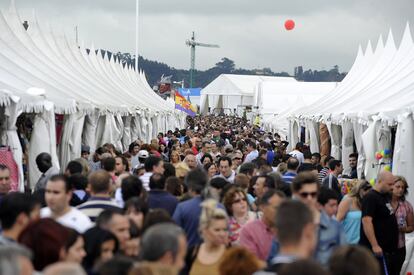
x,y
136,34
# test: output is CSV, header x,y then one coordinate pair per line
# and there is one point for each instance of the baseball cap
x,y
228,148
143,154
85,148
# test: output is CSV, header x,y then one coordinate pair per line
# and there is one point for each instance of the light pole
x,y
136,34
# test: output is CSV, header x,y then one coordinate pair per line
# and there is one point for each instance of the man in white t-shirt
x,y
152,165
225,169
58,193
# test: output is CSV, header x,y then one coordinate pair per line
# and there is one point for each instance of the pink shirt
x,y
403,210
256,237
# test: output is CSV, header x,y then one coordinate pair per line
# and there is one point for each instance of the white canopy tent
x,y
376,96
232,91
96,94
276,100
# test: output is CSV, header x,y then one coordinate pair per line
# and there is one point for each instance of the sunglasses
x,y
239,200
237,158
307,194
4,178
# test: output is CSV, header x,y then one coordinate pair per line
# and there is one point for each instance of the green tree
x,y
226,65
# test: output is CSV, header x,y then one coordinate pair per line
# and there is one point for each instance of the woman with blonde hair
x,y
175,158
349,211
206,257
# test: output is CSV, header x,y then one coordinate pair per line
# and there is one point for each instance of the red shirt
x,y
256,237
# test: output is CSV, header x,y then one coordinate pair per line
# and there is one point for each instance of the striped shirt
x,y
288,177
95,205
322,174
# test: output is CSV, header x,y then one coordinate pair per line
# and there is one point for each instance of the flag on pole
x,y
181,103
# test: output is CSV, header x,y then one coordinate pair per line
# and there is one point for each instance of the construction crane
x,y
193,44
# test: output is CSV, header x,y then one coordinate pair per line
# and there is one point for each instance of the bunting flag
x,y
181,103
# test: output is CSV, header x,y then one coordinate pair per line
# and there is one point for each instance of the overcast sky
x,y
250,32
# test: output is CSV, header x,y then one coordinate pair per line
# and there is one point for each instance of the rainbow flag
x,y
181,103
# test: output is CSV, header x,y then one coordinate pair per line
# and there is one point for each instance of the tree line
x,y
154,70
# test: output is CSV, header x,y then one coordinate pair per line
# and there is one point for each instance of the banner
x,y
184,105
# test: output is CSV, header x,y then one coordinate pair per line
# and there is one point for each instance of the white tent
x,y
232,91
276,100
96,94
376,96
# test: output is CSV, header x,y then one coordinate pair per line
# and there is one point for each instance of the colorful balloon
x,y
289,25
387,152
387,168
383,153
372,182
378,155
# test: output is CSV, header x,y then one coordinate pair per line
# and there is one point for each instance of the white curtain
x,y
89,131
313,128
376,138
172,121
149,128
359,129
144,127
403,161
9,137
204,104
118,131
43,139
135,128
336,137
161,123
293,134
126,137
347,144
103,130
220,102
70,145
155,125
108,131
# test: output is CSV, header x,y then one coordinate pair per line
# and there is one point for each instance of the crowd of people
x,y
220,197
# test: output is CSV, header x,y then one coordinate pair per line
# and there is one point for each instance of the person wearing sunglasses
x,y
236,158
235,202
305,187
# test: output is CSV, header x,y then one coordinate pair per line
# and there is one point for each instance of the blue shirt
x,y
187,215
274,250
288,177
270,156
352,226
251,156
330,236
162,199
95,205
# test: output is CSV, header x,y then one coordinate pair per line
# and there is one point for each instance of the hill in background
x,y
154,70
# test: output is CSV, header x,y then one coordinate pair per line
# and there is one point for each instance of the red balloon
x,y
289,25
